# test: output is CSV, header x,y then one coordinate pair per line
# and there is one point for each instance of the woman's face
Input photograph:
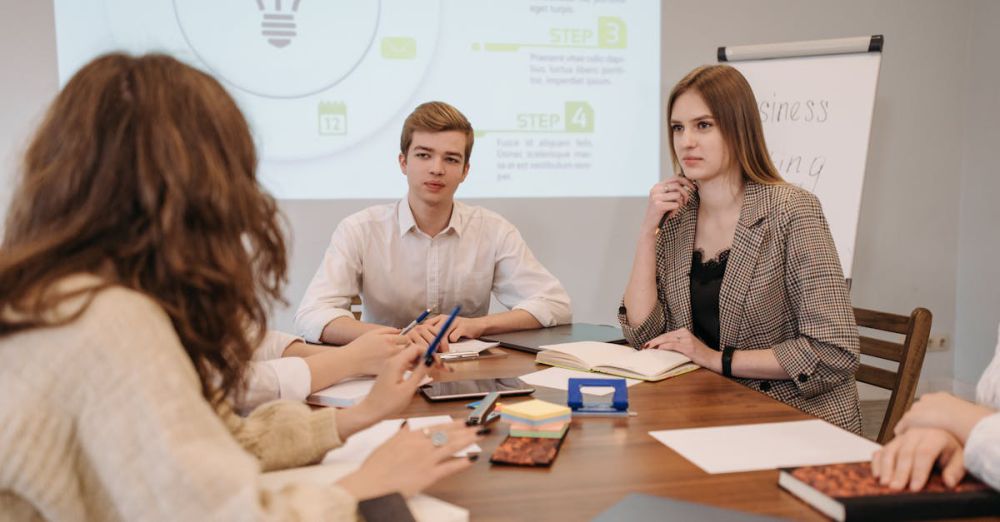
x,y
698,143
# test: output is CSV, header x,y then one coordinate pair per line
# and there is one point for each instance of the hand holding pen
x,y
440,337
422,333
666,198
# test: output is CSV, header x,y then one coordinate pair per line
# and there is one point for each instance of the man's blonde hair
x,y
436,116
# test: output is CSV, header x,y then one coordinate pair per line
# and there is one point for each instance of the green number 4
x,y
579,117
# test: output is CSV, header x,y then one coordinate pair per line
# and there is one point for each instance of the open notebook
x,y
614,359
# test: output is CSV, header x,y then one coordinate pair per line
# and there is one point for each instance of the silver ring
x,y
439,438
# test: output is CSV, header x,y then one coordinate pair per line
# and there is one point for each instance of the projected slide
x,y
563,94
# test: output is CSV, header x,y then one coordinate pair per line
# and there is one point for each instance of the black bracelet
x,y
727,361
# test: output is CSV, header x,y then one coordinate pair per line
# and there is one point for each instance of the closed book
x,y
614,359
850,492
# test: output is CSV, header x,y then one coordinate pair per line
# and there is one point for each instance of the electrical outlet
x,y
937,342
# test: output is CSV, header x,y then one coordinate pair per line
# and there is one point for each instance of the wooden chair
x,y
356,307
909,354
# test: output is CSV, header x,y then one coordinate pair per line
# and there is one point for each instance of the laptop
x,y
531,340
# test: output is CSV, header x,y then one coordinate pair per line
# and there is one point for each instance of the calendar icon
x,y
332,118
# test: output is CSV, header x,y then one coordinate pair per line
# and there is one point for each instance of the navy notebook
x,y
648,507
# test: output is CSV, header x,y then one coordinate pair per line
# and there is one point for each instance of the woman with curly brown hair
x,y
136,273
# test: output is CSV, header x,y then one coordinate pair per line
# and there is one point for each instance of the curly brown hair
x,y
143,172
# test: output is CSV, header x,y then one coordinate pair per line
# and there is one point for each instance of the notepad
x,y
614,359
343,394
347,393
359,446
467,349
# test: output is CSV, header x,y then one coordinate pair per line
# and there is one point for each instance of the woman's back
x,y
103,419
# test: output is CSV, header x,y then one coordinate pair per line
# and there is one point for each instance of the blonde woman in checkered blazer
x,y
736,268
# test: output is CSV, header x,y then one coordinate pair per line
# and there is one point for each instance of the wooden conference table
x,y
604,459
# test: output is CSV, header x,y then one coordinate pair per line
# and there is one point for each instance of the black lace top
x,y
706,281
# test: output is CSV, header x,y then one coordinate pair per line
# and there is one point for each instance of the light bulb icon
x,y
277,24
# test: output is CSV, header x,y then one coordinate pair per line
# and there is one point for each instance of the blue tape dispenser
x,y
618,407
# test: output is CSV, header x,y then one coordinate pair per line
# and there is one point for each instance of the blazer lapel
x,y
743,257
681,238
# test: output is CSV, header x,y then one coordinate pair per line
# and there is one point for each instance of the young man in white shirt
x,y
428,251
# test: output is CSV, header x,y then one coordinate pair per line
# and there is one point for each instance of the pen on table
x,y
413,324
431,348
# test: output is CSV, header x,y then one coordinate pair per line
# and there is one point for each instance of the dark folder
x,y
530,340
648,507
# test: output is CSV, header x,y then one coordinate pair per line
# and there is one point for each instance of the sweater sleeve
x,y
284,434
156,449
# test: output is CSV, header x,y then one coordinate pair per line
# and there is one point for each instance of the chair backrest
x,y
356,307
915,330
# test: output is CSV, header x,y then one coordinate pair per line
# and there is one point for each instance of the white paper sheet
x,y
360,445
558,379
423,507
750,447
419,423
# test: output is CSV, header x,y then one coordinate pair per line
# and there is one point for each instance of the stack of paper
x,y
536,418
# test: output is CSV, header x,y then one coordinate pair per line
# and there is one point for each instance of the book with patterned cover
x,y
851,492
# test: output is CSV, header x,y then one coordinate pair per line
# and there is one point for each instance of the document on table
x,y
750,447
360,445
347,393
423,507
470,348
558,379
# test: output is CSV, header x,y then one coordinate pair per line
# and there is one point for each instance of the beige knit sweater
x,y
103,419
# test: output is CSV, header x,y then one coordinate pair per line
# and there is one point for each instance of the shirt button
x,y
803,377
765,386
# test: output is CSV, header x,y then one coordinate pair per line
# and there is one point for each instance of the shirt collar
x,y
407,222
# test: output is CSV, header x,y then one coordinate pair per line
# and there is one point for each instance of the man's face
x,y
435,166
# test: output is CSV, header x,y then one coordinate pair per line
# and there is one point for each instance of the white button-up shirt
x,y
982,448
381,255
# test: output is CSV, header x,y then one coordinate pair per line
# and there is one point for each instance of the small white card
x,y
558,379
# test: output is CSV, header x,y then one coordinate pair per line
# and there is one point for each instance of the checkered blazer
x,y
783,289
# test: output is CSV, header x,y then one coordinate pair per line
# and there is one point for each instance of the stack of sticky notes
x,y
536,418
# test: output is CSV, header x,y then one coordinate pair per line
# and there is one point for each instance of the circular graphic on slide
x,y
315,78
279,48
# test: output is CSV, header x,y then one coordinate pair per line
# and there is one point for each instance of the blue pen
x,y
429,356
413,324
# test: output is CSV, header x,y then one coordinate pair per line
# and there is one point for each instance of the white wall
x,y
28,69
978,290
927,214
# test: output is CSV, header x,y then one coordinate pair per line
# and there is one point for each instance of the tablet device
x,y
443,391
